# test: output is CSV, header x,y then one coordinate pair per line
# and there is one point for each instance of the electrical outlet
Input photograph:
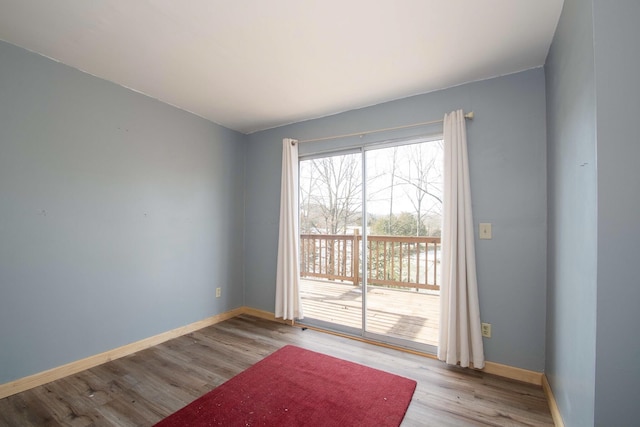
x,y
486,330
218,292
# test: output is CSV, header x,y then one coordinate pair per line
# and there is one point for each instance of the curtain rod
x,y
466,116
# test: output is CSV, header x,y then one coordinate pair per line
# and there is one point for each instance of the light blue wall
x,y
617,59
119,215
572,190
593,345
507,150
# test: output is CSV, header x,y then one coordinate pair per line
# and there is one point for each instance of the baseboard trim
x,y
262,314
553,405
44,377
53,374
511,372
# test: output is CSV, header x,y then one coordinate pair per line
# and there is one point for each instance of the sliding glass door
x,y
370,241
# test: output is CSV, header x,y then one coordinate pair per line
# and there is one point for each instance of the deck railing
x,y
396,261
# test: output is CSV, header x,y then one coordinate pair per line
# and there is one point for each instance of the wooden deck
x,y
404,314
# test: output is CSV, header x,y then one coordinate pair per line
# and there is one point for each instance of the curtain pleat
x,y
460,338
288,303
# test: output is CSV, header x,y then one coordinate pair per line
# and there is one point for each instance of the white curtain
x,y
460,339
288,304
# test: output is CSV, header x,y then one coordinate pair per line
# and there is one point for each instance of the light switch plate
x,y
485,230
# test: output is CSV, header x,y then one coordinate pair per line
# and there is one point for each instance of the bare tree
x,y
422,180
394,163
332,193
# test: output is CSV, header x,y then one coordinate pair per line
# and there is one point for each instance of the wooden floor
x,y
404,314
141,389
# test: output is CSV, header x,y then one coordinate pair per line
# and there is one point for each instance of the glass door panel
x,y
404,208
330,241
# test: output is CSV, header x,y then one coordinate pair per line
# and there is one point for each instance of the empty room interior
x,y
142,197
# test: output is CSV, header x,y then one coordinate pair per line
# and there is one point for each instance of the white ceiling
x,y
255,64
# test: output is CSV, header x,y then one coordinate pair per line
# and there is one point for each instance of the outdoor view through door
x,y
397,241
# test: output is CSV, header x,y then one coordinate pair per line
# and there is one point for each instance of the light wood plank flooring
x,y
404,314
141,389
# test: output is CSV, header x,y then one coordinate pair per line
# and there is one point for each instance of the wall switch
x,y
218,292
485,230
486,330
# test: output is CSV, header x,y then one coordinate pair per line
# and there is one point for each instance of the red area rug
x,y
297,387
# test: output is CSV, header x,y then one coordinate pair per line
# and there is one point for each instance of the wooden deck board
x,y
403,314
